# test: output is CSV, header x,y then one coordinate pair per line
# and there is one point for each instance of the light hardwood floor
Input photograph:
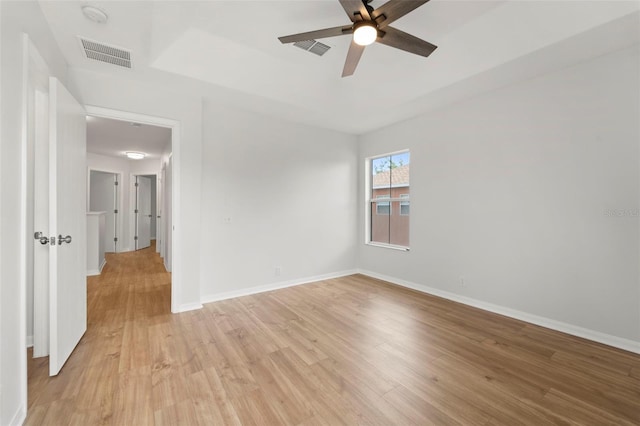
x,y
352,350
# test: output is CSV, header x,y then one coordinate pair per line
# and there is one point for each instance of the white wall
x,y
510,191
17,17
274,194
120,91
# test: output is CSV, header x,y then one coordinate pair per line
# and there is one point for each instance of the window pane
x,y
383,207
404,205
379,224
389,199
399,224
380,177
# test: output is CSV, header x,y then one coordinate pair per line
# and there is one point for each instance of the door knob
x,y
44,240
62,239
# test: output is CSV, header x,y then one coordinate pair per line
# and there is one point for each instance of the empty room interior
x,y
320,212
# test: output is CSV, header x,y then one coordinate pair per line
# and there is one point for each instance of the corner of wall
x,y
606,339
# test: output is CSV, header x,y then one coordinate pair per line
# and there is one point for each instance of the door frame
x,y
118,201
29,53
174,125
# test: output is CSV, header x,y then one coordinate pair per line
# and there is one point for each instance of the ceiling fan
x,y
369,25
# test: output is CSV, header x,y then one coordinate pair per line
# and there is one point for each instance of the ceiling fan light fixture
x,y
135,155
365,34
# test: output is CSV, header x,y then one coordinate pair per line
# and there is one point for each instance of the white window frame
x,y
369,202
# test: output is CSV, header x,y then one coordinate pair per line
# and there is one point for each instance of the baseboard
x,y
104,262
29,341
19,417
274,286
93,272
188,307
596,336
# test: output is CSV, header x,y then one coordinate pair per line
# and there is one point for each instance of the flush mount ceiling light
x,y
135,155
94,14
365,34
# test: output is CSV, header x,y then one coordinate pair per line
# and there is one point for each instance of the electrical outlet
x,y
277,271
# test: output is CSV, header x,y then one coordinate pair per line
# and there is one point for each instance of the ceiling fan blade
x,y
393,10
355,8
312,35
400,40
353,57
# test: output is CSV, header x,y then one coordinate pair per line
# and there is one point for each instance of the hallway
x,y
108,378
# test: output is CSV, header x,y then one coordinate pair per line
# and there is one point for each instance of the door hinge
x,y
135,211
116,183
115,211
135,238
115,239
136,183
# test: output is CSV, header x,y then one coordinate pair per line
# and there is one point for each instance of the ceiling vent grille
x,y
313,46
105,53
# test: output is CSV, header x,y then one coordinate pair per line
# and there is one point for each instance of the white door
x,y
143,212
103,195
67,224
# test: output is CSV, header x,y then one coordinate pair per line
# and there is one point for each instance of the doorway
x,y
167,177
146,211
103,196
34,290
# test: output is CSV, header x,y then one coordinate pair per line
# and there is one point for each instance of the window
x,y
388,200
383,207
404,205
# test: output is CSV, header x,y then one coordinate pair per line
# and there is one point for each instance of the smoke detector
x,y
94,14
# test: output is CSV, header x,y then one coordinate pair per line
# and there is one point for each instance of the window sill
x,y
388,246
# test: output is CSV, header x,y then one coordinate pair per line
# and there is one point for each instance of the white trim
x,y
188,307
574,330
19,417
274,286
28,50
30,341
388,246
396,185
176,252
94,272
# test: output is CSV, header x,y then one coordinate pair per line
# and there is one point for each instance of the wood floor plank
x,y
346,351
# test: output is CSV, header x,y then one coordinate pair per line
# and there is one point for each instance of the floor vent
x,y
312,46
105,53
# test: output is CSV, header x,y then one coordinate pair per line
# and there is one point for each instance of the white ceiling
x,y
229,49
113,138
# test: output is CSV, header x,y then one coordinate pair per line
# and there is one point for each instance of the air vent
x,y
105,53
312,46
